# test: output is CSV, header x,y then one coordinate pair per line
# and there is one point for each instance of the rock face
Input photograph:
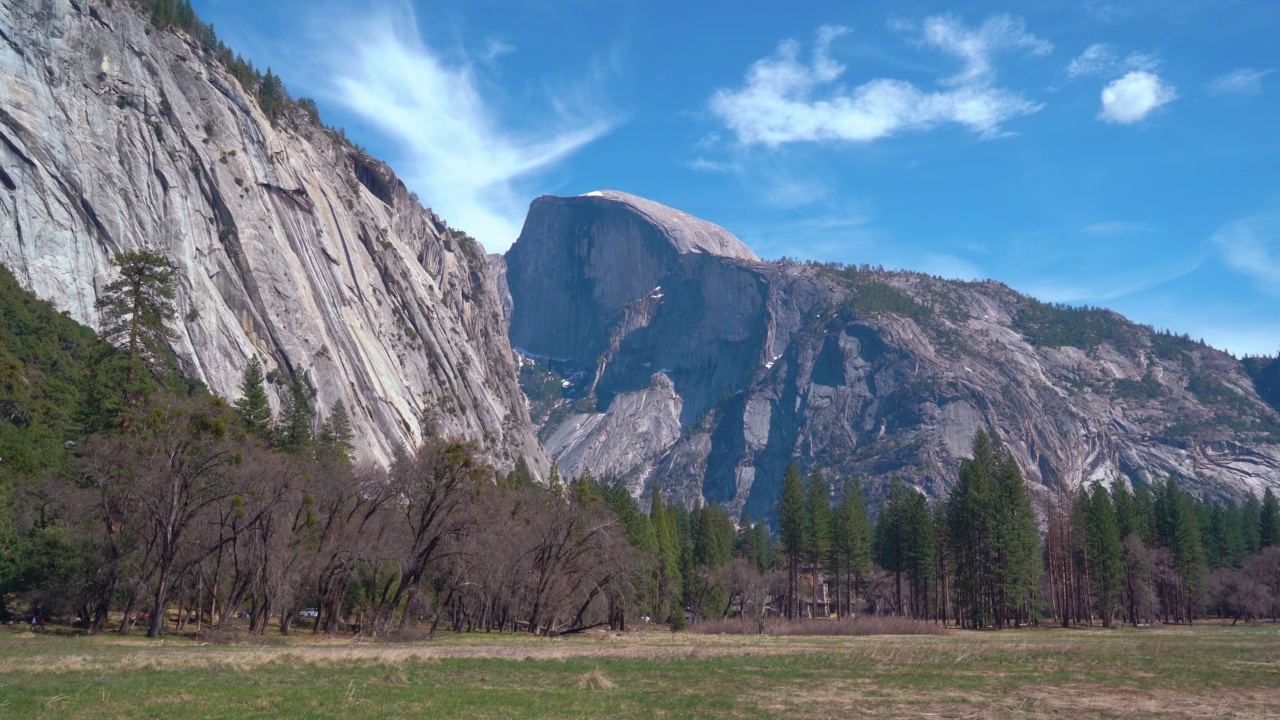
x,y
690,365
289,244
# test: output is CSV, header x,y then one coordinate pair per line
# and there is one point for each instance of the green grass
x,y
1159,672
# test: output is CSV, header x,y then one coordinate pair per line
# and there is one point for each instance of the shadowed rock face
x,y
289,244
694,367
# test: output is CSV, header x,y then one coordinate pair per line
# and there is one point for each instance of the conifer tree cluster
x,y
268,88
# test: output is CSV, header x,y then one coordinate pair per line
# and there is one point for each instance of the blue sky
x,y
1119,154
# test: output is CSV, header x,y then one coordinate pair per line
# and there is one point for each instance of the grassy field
x,y
1206,671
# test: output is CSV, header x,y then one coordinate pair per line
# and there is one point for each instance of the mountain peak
x,y
687,233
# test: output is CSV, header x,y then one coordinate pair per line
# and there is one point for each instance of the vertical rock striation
x,y
289,243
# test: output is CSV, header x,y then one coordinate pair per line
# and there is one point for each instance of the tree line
x,y
131,497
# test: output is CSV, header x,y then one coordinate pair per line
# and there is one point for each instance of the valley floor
x,y
1211,670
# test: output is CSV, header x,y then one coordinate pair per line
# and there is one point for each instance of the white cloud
x,y
787,100
1101,59
1133,97
975,47
459,154
495,49
1244,81
1251,247
706,165
1117,227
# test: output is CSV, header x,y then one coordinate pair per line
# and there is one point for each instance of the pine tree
x,y
1105,553
1178,529
1269,521
1251,524
713,540
669,581
969,512
851,543
520,476
1234,545
764,547
943,562
817,531
1017,545
253,406
791,530
1126,512
272,96
904,545
294,432
136,310
336,436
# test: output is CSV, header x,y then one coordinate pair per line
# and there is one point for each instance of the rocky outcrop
x,y
630,330
289,243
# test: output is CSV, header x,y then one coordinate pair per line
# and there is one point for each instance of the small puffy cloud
x,y
1244,81
786,99
1102,59
1133,97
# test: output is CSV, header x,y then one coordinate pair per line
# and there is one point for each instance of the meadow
x,y
1211,670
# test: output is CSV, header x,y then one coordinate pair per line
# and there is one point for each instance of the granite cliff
x,y
658,348
289,243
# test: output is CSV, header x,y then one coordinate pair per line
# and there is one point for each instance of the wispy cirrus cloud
x,y
1245,81
786,98
459,151
1117,227
1251,247
1102,59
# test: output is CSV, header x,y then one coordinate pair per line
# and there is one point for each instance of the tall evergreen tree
x,y
136,310
1017,546
817,532
1122,502
1178,529
1105,553
970,511
1234,548
851,543
904,545
1251,524
336,436
253,405
943,562
994,538
670,583
294,432
791,530
1269,521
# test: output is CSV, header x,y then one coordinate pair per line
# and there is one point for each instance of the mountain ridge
x,y
732,369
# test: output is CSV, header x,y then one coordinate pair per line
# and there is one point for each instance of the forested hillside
x,y
45,359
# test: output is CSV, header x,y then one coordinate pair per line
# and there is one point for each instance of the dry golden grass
x,y
595,680
857,627
1211,671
